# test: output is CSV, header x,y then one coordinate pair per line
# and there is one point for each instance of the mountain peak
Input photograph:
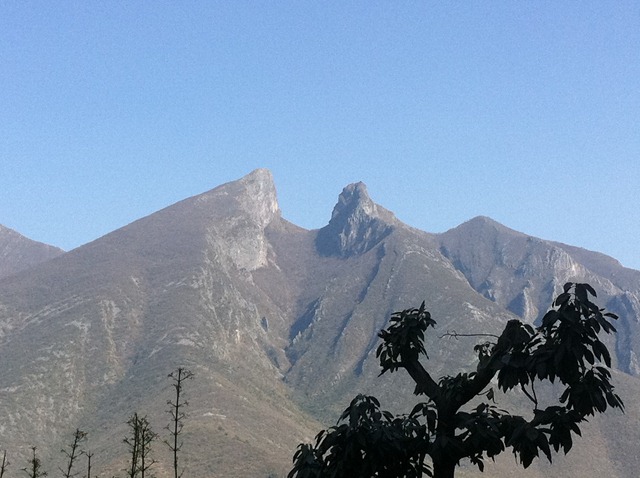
x,y
260,195
239,212
354,200
259,174
260,178
357,224
253,196
483,223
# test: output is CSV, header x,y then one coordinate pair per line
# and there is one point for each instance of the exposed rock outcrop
x,y
279,324
357,224
256,206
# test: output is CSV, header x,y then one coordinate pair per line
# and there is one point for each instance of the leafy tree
x,y
34,470
176,411
72,453
139,443
565,349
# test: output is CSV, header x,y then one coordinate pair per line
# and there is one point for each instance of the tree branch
x,y
424,383
487,369
455,335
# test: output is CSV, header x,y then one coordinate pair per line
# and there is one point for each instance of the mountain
x,y
523,274
18,252
279,325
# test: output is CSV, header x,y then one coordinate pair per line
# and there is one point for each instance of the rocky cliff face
x,y
523,274
278,323
94,335
357,224
250,206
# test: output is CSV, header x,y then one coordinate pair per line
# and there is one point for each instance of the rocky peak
x,y
241,210
258,196
354,201
252,197
357,224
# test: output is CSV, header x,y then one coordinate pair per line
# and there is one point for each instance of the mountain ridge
x,y
18,253
278,322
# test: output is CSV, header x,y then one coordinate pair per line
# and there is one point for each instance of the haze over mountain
x,y
279,325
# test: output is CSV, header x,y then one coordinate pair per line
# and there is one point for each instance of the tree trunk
x,y
444,469
444,461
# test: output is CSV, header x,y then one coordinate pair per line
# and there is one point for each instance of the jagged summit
x,y
354,200
226,222
259,197
253,195
357,224
278,322
260,187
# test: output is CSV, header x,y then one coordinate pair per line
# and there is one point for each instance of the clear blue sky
x,y
527,112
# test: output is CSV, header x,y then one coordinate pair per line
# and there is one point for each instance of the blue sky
x,y
526,112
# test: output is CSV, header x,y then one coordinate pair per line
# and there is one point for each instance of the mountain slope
x,y
277,322
93,336
18,253
522,274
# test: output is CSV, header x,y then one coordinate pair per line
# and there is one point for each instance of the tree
x,y
89,456
73,453
34,470
564,349
176,411
139,443
5,463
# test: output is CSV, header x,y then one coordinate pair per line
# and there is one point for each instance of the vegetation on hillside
x,y
139,441
458,419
